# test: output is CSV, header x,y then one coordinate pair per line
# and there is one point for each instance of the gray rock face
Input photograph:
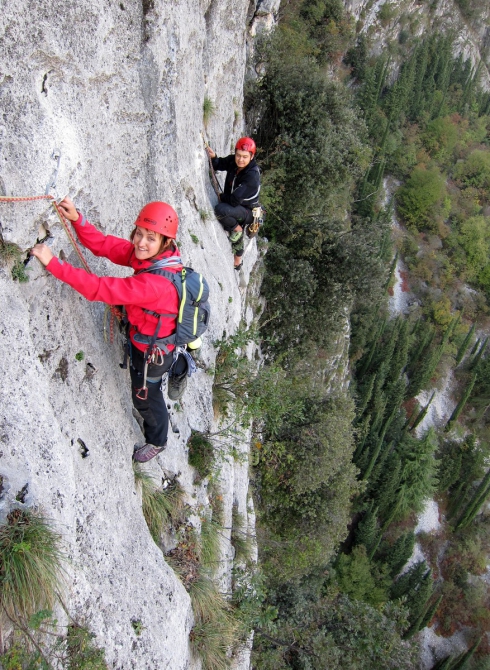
x,y
118,88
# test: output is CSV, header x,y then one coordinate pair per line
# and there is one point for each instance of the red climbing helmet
x,y
246,144
160,217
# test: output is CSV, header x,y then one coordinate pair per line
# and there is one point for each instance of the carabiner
x,y
142,393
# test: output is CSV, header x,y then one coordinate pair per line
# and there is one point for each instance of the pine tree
x,y
422,413
409,580
477,500
400,552
429,613
367,530
460,406
386,493
464,346
464,661
474,363
475,347
419,471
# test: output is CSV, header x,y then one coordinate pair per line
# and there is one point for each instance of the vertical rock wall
x,y
118,88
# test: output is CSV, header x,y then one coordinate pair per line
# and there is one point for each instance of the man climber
x,y
241,192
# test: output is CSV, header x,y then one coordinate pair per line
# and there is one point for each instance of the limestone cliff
x,y
118,89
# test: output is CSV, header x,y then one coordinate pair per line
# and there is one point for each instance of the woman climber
x,y
146,297
241,192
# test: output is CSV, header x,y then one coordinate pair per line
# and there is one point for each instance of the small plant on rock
x,y
201,454
208,109
31,560
163,505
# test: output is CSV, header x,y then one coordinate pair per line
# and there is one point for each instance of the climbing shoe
x,y
147,452
236,247
236,236
177,385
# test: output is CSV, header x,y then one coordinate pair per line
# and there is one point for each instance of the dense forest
x,y
340,475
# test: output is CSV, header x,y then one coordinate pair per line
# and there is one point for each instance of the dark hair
x,y
165,244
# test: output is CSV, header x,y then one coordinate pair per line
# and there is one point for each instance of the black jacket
x,y
242,188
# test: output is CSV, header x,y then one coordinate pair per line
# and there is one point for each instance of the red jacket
x,y
148,291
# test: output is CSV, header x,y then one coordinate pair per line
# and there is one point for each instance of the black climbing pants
x,y
230,217
153,410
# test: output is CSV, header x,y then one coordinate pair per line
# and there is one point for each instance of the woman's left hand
x,y
42,252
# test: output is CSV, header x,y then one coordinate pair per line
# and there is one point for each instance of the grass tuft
x,y
31,560
208,109
240,538
210,536
161,506
215,630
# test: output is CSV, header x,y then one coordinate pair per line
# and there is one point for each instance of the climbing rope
x,y
115,312
212,174
61,217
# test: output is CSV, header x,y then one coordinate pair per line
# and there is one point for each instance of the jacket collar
x,y
138,265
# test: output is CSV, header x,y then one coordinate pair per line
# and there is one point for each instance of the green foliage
x,y
194,238
44,645
31,560
81,652
11,254
355,578
399,553
328,630
19,272
201,454
475,170
79,356
299,469
137,626
419,199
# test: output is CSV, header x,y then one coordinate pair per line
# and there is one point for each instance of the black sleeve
x,y
223,164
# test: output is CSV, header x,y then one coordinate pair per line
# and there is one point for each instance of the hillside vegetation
x,y
341,476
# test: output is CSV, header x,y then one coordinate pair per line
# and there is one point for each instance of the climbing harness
x,y
212,174
253,228
192,317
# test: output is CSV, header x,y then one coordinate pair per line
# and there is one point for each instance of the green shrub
x,y
201,454
419,199
475,170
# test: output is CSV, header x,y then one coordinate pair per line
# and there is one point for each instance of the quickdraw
x,y
253,228
212,174
63,221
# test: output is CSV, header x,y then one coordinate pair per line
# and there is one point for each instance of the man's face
x,y
242,158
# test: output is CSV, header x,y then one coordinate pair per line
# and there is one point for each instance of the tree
x,y
419,198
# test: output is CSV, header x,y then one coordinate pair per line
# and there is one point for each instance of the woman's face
x,y
146,243
242,158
